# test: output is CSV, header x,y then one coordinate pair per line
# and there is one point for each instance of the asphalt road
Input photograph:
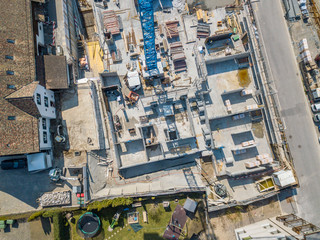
x,y
294,108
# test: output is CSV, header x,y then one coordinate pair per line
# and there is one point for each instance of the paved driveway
x,y
20,189
300,129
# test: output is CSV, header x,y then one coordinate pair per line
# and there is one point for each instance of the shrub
x,y
155,214
35,215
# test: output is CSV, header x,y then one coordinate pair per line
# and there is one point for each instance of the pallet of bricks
x,y
178,56
172,29
111,22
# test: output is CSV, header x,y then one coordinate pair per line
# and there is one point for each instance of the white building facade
x,y
45,102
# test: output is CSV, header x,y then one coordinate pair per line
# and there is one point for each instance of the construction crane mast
x,y
147,24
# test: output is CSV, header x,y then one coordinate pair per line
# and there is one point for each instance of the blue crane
x,y
147,24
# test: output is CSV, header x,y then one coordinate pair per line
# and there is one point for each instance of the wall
x,y
47,112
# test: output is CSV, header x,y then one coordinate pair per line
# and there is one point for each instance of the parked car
x,y
316,117
13,164
315,107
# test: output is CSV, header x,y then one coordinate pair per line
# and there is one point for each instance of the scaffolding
x,y
147,24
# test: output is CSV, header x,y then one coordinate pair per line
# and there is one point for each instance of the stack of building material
x,y
247,143
262,156
228,105
111,22
203,30
305,54
264,159
238,116
239,151
172,29
178,56
202,15
55,199
251,107
246,92
252,164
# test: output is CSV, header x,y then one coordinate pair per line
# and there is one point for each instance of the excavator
x,y
56,175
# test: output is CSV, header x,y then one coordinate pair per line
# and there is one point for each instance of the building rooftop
x,y
55,75
190,205
16,39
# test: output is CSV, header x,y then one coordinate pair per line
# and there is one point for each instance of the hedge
x,y
116,202
60,227
35,215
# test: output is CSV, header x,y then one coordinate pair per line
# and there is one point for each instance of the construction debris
x,y
55,199
111,22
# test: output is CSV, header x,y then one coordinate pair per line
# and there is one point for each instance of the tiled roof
x,y
55,72
25,91
20,135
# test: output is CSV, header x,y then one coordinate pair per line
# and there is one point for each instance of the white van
x,y
315,107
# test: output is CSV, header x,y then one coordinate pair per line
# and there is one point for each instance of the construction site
x,y
156,97
182,100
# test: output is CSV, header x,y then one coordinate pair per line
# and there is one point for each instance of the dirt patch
x,y
258,130
207,171
225,222
243,77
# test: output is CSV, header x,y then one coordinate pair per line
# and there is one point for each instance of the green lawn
x,y
158,219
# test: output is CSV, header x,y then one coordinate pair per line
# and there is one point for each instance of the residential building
x,y
67,32
26,107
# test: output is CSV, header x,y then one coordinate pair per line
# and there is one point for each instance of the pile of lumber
x,y
203,30
111,22
172,29
178,56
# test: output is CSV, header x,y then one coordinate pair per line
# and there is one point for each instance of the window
x,y
45,137
11,41
46,102
9,57
44,123
9,86
9,72
11,117
38,99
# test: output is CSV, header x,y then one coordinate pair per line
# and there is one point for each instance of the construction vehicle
x,y
56,175
130,97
